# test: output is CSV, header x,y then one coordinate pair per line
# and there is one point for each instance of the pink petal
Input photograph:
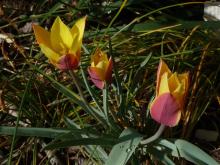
x,y
95,78
68,62
165,110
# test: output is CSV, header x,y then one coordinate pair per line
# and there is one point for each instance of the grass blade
x,y
74,97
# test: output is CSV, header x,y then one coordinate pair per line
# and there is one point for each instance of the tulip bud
x,y
100,70
171,90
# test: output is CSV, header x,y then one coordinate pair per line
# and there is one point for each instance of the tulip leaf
x,y
153,25
97,152
121,152
184,149
161,156
81,141
46,132
30,131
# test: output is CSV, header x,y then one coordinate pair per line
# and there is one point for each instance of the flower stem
x,y
155,136
72,74
83,99
105,101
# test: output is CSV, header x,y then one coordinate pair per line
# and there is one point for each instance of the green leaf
x,y
30,131
192,153
97,152
121,152
81,141
161,156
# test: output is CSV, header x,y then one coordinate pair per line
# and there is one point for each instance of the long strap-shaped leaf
x,y
122,151
96,151
41,132
192,153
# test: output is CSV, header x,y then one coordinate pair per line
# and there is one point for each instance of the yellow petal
x,y
181,92
162,68
42,36
92,64
51,55
173,82
184,78
102,65
218,98
77,32
178,93
178,85
164,86
61,37
99,56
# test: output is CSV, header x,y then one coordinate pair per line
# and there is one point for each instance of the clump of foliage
x,y
69,114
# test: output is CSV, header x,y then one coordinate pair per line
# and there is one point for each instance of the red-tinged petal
x,y
165,110
108,74
75,54
100,73
95,78
67,62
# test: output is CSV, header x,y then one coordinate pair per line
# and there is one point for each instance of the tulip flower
x,y
61,45
171,90
100,70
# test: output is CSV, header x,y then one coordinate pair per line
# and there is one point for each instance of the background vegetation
x,y
35,95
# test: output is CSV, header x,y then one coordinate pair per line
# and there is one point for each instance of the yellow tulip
x,y
171,90
61,44
100,70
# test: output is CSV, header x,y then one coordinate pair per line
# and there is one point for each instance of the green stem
x,y
90,90
105,101
72,74
78,86
155,136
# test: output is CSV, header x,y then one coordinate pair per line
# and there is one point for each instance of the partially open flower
x,y
100,70
61,44
171,90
